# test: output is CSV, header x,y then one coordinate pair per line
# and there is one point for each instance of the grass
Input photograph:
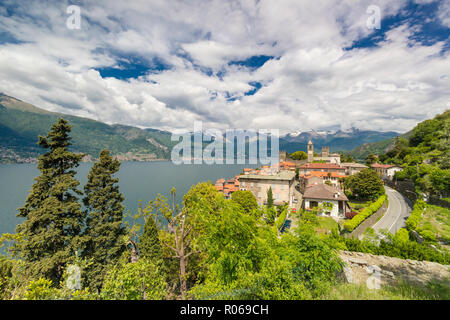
x,y
433,290
326,224
358,205
437,220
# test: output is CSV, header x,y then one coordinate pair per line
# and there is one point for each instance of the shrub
x,y
350,225
413,221
401,236
281,218
428,235
41,290
350,215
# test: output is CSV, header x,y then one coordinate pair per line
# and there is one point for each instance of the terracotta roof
x,y
321,166
228,186
282,175
323,192
382,166
353,165
324,174
248,169
219,188
287,164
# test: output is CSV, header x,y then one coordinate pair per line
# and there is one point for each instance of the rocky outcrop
x,y
376,271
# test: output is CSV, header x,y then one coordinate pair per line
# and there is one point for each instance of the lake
x,y
137,181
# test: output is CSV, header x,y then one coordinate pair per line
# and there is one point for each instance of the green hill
x,y
378,148
21,123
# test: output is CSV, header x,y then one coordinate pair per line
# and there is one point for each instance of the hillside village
x,y
303,184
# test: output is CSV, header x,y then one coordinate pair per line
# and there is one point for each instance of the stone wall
x,y
376,271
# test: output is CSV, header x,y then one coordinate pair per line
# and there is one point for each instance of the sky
x,y
251,64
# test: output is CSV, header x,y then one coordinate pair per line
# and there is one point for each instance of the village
x,y
303,184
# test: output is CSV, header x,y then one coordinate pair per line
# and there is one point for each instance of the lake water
x,y
137,181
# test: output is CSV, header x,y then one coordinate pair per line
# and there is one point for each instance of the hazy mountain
x,y
380,147
21,123
336,140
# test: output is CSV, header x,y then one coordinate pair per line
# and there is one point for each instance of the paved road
x,y
396,214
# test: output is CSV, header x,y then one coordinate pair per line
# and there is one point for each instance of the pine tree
x,y
269,198
149,243
53,216
104,209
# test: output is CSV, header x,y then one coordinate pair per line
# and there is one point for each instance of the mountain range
x,y
342,141
21,123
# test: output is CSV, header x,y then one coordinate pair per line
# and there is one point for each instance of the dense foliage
x,y
365,185
425,156
351,224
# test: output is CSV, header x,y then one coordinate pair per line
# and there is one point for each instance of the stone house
x,y
317,194
282,184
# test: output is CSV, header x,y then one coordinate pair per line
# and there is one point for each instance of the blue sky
x,y
288,65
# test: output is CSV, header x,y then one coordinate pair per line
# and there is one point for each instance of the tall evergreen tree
x,y
53,216
269,198
104,209
149,243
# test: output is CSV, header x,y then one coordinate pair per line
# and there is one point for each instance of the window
x,y
259,194
252,184
243,183
277,196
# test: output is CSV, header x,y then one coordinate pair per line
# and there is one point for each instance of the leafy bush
x,y
413,221
281,218
135,281
428,235
402,236
350,225
351,214
41,290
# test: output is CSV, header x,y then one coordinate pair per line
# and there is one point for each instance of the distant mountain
x,y
380,147
21,123
336,140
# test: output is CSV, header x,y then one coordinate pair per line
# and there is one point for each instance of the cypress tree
x,y
104,209
149,244
53,216
269,198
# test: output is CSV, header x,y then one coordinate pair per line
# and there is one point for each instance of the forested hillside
x,y
21,123
425,155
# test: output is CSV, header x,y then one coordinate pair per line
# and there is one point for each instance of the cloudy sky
x,y
292,65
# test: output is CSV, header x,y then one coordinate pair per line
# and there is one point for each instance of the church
x,y
325,155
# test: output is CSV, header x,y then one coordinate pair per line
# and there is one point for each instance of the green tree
x,y
104,233
142,280
269,198
371,159
53,216
364,185
246,200
149,243
299,155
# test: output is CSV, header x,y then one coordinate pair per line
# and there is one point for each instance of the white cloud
x,y
313,83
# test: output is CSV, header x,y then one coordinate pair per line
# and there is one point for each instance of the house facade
x,y
386,171
317,194
282,184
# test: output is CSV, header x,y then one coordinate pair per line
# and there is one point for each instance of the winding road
x,y
396,214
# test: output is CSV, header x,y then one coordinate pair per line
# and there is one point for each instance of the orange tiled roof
x,y
287,164
382,166
324,174
219,188
321,166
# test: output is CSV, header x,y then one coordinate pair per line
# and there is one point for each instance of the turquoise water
x,y
137,181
